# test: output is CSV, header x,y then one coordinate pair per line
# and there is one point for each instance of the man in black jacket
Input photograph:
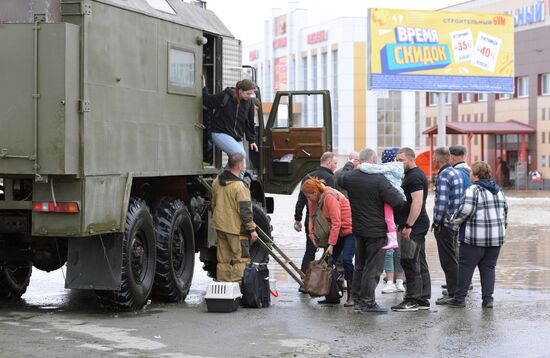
x,y
326,172
367,195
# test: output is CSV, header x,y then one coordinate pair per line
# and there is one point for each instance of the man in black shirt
x,y
415,223
325,172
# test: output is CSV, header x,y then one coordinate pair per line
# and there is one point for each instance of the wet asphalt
x,y
50,321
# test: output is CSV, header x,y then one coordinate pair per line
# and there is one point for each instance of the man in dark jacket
x,y
367,195
325,172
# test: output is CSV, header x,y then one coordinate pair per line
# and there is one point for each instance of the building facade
x,y
333,55
530,102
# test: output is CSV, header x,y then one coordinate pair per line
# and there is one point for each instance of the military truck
x,y
101,133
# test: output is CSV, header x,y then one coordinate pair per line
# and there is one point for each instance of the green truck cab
x,y
101,144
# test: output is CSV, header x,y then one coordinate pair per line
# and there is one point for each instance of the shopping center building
x,y
528,105
334,55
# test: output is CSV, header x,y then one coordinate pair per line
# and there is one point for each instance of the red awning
x,y
509,127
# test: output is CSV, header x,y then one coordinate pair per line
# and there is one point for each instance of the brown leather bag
x,y
318,277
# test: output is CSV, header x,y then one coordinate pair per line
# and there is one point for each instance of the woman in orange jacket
x,y
336,209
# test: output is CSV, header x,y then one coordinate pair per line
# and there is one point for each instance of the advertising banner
x,y
440,51
280,74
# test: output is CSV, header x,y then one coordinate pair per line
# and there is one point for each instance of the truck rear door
x,y
297,133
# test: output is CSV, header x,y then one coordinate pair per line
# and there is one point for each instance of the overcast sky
x,y
245,18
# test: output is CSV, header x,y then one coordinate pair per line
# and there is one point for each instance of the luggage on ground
x,y
256,286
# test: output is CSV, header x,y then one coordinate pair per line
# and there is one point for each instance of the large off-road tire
x,y
138,261
14,281
257,252
175,251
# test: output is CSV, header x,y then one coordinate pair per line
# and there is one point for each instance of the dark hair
x,y
245,85
457,150
234,159
481,170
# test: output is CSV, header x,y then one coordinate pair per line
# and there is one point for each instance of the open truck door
x,y
297,133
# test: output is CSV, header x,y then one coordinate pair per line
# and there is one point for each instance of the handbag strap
x,y
325,256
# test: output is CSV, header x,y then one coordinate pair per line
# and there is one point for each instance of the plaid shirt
x,y
448,192
485,216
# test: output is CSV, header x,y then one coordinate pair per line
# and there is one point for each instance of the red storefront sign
x,y
253,55
279,42
316,37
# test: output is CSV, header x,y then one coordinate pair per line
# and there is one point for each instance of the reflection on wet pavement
x,y
524,261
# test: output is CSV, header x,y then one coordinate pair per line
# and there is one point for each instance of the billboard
x,y
441,51
280,71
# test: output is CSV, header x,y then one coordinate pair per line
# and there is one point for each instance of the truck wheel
x,y
257,252
138,261
14,281
175,251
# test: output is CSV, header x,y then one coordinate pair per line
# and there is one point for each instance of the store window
x,y
504,96
523,86
389,120
482,97
545,84
432,98
466,97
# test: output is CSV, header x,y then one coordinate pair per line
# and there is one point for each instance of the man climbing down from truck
x,y
233,221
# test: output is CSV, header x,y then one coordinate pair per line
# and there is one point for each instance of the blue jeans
x,y
346,245
229,145
392,261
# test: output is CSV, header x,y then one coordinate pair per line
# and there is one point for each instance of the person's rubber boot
x,y
392,241
349,301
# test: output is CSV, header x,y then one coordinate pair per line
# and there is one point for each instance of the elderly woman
x,y
336,209
484,211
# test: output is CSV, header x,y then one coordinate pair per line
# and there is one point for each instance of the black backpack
x,y
336,286
256,286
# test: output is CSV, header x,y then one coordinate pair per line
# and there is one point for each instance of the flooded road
x,y
53,322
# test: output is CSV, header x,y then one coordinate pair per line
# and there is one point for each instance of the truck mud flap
x,y
94,263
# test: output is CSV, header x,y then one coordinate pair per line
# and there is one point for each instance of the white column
x,y
441,123
371,134
408,119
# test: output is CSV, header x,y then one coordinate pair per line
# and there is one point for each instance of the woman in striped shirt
x,y
484,210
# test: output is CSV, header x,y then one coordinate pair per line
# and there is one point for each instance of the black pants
x,y
419,286
369,264
447,250
309,255
485,258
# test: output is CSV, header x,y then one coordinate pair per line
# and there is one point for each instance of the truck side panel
x,y
136,123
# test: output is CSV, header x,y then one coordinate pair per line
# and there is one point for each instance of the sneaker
x,y
455,303
399,286
424,306
389,288
442,300
444,292
373,309
405,306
